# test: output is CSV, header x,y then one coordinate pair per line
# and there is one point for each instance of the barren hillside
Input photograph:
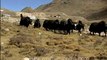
x,y
18,42
91,9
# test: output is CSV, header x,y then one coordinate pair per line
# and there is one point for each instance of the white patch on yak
x,y
75,24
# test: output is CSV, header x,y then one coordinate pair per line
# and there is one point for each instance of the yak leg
x,y
79,31
27,26
105,33
46,29
54,31
99,33
93,33
65,32
90,32
59,31
68,31
72,31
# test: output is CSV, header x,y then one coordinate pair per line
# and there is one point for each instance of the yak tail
x,y
21,15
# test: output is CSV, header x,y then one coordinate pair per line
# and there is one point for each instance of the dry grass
x,y
30,43
90,9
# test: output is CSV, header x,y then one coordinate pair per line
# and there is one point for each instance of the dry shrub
x,y
19,39
3,57
68,41
54,43
101,56
41,51
104,43
91,58
57,38
35,51
5,53
97,43
4,31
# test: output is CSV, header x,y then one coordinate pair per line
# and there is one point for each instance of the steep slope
x,y
91,9
27,9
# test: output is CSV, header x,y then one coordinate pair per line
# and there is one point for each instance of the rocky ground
x,y
18,42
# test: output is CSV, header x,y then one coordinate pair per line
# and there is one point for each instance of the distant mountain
x,y
7,11
27,9
90,9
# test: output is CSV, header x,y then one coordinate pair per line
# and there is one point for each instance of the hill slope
x,y
91,9
18,42
6,11
27,9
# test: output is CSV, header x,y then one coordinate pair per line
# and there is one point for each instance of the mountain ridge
x,y
27,9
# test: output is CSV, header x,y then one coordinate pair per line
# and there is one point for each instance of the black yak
x,y
63,26
66,26
50,25
70,26
55,25
25,21
79,26
47,24
37,24
106,27
98,27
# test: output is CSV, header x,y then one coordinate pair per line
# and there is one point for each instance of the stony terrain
x,y
18,42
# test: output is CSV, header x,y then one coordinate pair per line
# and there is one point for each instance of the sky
x,y
17,5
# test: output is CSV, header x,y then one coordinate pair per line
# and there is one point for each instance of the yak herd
x,y
65,26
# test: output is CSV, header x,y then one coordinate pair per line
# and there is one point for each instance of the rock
x,y
40,33
7,29
2,43
26,58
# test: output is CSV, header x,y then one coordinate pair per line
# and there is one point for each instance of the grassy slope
x,y
55,45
